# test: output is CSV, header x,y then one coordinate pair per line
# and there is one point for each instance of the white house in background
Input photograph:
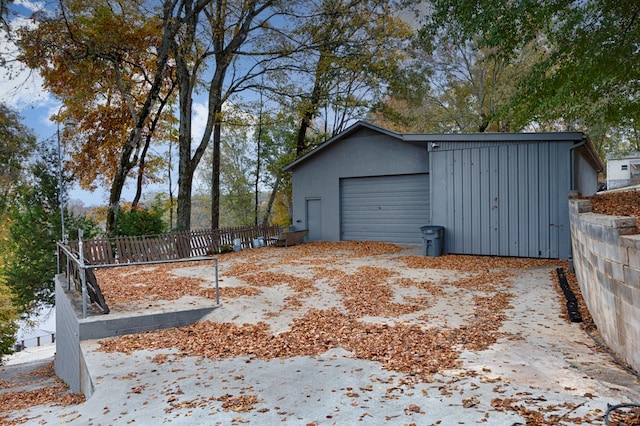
x,y
623,170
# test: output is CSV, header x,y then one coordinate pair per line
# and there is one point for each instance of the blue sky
x,y
22,90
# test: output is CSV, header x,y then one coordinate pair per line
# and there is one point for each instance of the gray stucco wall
x,y
606,253
585,178
364,153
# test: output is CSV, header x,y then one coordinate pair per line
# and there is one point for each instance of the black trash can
x,y
432,240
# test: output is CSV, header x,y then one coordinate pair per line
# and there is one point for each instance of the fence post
x,y
217,287
68,271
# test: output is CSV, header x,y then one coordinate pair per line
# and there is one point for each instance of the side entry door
x,y
314,219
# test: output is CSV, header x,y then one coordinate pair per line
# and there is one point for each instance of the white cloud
x,y
199,121
20,87
33,6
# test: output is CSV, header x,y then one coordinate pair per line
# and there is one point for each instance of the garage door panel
x,y
384,208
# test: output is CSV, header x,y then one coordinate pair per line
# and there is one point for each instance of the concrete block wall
x,y
606,254
71,329
99,327
69,362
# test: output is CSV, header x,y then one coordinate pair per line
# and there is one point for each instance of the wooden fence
x,y
178,245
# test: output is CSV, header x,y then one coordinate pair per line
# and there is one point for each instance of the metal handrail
x,y
20,343
82,267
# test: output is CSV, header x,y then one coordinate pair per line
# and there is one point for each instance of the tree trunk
x,y
185,172
186,82
258,160
125,164
272,199
223,58
215,176
141,166
310,111
170,27
185,183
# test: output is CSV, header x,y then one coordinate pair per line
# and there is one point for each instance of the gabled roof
x,y
633,155
351,129
581,140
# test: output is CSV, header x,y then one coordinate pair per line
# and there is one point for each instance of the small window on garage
x,y
625,167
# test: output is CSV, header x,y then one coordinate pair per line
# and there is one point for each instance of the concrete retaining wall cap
x,y
631,241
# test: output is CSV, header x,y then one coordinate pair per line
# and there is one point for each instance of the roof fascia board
x,y
593,153
485,137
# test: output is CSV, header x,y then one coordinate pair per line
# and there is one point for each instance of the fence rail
x,y
178,245
40,341
83,256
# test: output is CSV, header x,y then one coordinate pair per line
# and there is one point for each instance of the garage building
x,y
494,193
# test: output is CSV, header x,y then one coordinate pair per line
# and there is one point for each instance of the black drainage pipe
x,y
572,302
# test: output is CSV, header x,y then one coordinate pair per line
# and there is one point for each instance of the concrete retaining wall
x,y
606,253
71,329
68,363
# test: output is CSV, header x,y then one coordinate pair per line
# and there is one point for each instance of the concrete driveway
x,y
353,333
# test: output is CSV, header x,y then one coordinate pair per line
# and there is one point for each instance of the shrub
x,y
140,221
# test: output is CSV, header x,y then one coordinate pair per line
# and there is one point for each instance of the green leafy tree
x,y
34,226
8,321
16,144
279,141
235,178
588,70
453,85
236,168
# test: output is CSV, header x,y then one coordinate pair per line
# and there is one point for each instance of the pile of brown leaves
x,y
404,347
618,203
352,248
147,283
521,406
239,404
55,394
624,416
466,263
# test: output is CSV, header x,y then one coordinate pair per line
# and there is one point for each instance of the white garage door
x,y
384,208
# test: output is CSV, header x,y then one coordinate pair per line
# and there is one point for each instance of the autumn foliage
x,y
618,203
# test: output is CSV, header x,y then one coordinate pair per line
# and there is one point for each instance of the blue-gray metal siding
x,y
507,200
384,208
